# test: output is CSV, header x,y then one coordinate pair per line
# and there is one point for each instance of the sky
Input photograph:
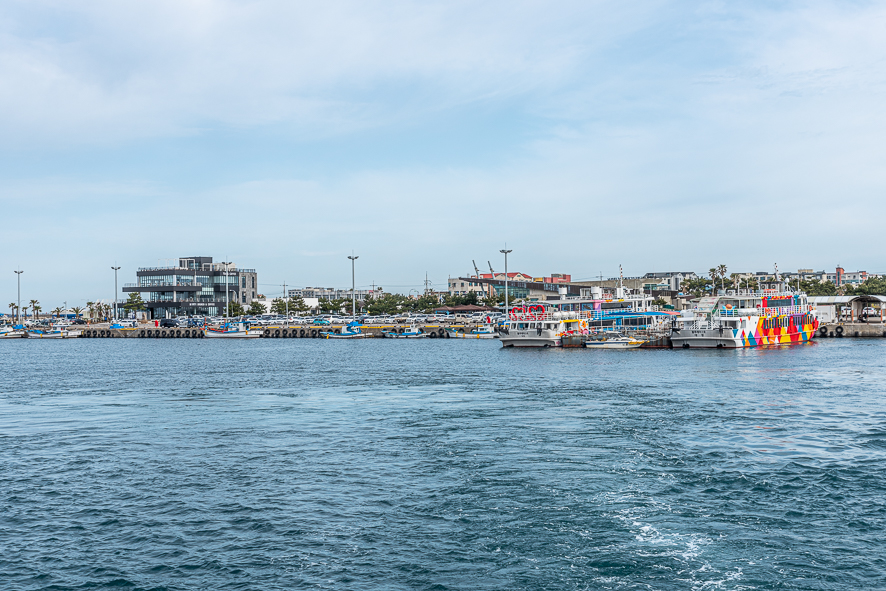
x,y
283,136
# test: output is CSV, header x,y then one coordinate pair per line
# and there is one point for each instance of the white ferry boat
x,y
538,326
744,318
548,323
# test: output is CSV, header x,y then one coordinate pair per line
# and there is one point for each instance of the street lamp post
x,y
18,310
227,297
353,286
115,291
505,252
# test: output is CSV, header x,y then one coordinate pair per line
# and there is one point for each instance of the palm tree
x,y
57,311
77,310
12,308
714,273
24,311
722,271
91,307
35,306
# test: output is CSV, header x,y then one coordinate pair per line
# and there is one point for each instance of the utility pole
x,y
353,286
286,299
115,291
505,251
18,310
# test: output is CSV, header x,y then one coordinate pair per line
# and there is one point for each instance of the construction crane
x,y
476,270
490,269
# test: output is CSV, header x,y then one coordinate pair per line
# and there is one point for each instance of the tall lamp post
x,y
227,297
353,286
505,252
18,310
115,291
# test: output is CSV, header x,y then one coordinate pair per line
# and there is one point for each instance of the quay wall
x,y
310,331
851,329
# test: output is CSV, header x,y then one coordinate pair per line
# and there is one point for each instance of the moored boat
x,y
232,330
612,340
745,318
481,332
413,332
351,331
538,326
12,332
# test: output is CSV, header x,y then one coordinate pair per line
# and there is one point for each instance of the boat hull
x,y
210,334
332,335
613,345
537,342
714,338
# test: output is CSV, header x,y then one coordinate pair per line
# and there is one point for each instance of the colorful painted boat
x,y
744,318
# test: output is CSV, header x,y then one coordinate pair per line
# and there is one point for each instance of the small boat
x,y
127,324
14,332
351,331
413,332
232,330
612,340
481,332
52,333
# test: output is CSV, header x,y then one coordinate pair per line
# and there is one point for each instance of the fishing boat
x,y
52,333
351,331
612,340
481,332
747,318
232,330
538,326
12,332
413,332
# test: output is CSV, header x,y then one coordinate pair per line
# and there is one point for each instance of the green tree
x,y
818,288
871,286
134,303
278,306
721,270
12,309
234,309
77,310
57,311
35,306
256,309
297,304
334,306
389,303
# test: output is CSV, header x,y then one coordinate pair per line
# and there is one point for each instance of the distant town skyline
x,y
655,135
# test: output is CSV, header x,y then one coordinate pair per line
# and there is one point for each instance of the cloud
x,y
425,135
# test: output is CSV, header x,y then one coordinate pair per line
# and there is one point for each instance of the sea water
x,y
440,464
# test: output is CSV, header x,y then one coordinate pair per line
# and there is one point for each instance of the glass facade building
x,y
196,287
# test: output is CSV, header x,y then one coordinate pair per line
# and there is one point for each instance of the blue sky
x,y
657,135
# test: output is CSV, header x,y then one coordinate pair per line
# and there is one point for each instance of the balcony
x,y
162,287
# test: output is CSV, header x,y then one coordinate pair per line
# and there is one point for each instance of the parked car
x,y
321,321
168,323
79,321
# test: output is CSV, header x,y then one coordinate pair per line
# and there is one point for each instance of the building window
x,y
253,282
